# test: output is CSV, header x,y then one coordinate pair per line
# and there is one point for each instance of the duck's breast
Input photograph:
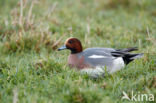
x,y
75,60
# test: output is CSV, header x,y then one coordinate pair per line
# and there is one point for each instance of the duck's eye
x,y
70,42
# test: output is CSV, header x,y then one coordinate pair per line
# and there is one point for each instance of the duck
x,y
97,61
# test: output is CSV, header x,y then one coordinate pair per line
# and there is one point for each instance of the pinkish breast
x,y
78,62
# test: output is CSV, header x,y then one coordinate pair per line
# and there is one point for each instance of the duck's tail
x,y
127,57
130,57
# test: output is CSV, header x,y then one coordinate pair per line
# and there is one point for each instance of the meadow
x,y
33,71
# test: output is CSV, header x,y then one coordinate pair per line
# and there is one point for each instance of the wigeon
x,y
96,61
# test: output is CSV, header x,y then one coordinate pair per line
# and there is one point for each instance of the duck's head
x,y
73,44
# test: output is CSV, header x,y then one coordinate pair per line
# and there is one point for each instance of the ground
x,y
33,71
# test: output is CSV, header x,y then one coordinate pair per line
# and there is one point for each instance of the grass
x,y
33,71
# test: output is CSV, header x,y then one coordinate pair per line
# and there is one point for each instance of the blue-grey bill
x,y
62,48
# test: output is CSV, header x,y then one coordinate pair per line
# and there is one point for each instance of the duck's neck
x,y
75,51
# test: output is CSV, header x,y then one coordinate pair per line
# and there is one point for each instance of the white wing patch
x,y
97,56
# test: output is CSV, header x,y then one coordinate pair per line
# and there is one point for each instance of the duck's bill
x,y
62,48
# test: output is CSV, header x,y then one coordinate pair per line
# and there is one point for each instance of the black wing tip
x,y
127,49
130,57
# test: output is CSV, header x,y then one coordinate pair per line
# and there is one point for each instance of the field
x,y
33,71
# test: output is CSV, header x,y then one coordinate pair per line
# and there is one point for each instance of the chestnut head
x,y
73,44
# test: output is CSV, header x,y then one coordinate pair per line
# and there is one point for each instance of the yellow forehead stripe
x,y
68,39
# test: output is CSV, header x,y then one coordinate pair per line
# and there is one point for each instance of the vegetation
x,y
33,71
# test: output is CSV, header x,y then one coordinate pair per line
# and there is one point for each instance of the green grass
x,y
33,71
